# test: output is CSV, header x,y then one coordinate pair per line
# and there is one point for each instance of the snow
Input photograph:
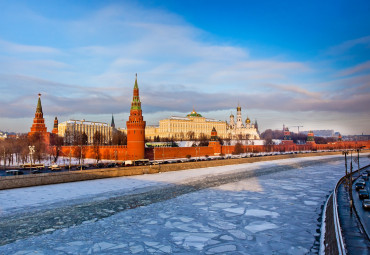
x,y
16,200
264,219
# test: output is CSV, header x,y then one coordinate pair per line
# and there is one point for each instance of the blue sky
x,y
285,62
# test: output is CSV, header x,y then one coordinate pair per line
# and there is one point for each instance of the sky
x,y
298,63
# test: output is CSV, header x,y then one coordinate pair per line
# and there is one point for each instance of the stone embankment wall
x,y
10,182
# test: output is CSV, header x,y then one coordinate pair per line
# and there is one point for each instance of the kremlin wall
x,y
136,127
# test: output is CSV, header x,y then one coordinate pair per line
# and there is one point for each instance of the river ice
x,y
276,213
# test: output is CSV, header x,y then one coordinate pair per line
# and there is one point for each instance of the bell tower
x,y
136,128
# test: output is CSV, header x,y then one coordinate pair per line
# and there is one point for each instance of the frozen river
x,y
200,211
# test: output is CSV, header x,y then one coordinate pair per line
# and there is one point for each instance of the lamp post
x,y
80,156
358,156
70,155
350,185
345,163
4,158
32,151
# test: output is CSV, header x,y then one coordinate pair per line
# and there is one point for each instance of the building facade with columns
x,y
70,129
194,125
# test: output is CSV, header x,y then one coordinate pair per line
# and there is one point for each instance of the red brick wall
x,y
181,152
108,152
105,152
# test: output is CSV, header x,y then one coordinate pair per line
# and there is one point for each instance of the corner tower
x,y
136,128
38,125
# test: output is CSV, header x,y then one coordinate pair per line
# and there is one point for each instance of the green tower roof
x,y
39,107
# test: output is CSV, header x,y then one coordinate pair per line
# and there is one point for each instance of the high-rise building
x,y
136,127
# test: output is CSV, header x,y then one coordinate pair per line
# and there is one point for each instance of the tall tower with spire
x,y
239,122
38,125
112,124
136,127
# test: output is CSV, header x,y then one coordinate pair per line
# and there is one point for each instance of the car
x,y
362,181
359,185
362,194
36,171
14,172
366,204
365,176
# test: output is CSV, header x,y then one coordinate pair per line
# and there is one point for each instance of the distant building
x,y
72,128
322,133
3,135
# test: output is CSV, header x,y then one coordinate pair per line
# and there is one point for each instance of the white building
x,y
237,130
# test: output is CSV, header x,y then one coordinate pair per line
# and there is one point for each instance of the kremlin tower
x,y
55,129
311,138
287,137
38,126
136,128
214,142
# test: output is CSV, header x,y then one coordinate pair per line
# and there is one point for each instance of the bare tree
x,y
97,139
190,135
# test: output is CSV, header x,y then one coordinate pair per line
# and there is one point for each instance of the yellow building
x,y
195,125
69,129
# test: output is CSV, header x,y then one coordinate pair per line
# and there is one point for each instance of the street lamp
x,y
4,158
345,162
358,155
350,186
32,151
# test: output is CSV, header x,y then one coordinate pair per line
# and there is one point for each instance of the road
x,y
258,208
363,214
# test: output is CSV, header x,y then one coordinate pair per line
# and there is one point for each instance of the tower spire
x,y
39,107
112,124
136,104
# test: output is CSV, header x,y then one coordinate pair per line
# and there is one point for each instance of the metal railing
x,y
338,229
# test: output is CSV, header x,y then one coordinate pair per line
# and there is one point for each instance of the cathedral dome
x,y
247,121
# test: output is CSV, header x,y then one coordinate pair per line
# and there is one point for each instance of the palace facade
x,y
194,126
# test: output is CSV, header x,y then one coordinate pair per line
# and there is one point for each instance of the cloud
x,y
22,48
297,90
348,45
355,69
179,66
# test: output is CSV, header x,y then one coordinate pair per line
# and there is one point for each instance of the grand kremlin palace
x,y
182,127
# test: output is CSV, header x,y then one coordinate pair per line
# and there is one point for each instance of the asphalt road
x,y
362,213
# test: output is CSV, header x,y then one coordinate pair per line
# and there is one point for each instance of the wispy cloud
x,y
21,48
179,66
356,69
347,45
